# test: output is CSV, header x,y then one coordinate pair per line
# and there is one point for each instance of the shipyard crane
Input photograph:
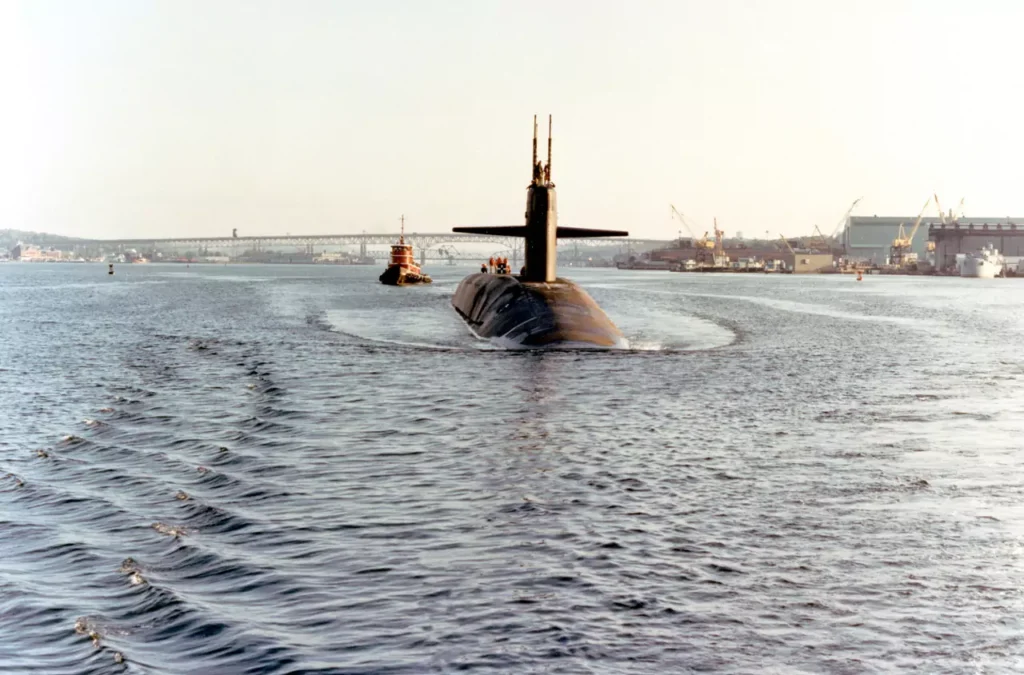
x,y
675,214
900,253
705,254
702,244
719,240
942,216
824,241
784,241
699,242
953,217
958,212
845,217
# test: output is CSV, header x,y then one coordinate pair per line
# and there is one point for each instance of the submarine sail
x,y
536,308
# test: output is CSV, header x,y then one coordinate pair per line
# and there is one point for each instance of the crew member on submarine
x,y
536,308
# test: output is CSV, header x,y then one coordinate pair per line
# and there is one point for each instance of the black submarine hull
x,y
534,314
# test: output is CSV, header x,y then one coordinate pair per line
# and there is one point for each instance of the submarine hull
x,y
534,314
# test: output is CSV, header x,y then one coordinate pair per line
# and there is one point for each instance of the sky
x,y
182,118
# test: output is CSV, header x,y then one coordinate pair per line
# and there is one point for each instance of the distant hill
x,y
9,238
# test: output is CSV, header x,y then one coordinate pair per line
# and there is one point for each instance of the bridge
x,y
419,239
429,244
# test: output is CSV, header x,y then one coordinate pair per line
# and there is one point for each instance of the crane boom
x,y
958,213
719,244
824,241
787,244
845,216
942,216
917,223
682,220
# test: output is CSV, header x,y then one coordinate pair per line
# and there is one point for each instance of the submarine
x,y
536,308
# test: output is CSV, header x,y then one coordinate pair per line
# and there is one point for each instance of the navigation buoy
x,y
110,270
860,277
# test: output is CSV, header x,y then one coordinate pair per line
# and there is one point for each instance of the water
x,y
785,475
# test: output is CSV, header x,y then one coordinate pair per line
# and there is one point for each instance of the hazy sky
x,y
174,118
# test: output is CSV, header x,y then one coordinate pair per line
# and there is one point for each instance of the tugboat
x,y
402,270
536,309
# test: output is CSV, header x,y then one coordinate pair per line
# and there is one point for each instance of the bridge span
x,y
429,245
419,239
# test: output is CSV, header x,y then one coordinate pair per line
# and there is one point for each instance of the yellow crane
x,y
704,246
787,245
699,242
953,217
824,242
705,251
675,214
719,240
900,253
942,216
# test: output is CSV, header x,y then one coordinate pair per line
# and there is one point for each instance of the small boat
x,y
402,269
983,264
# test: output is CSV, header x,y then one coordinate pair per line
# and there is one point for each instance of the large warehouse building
x,y
870,237
968,234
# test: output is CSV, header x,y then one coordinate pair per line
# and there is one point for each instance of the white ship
x,y
983,264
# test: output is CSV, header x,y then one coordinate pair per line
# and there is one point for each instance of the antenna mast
x,y
401,237
533,166
548,170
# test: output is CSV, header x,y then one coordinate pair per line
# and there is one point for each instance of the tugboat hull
x,y
399,276
534,314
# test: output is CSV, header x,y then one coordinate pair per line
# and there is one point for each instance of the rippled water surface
x,y
293,469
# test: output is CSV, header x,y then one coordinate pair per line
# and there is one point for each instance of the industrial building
x,y
871,237
807,263
971,234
